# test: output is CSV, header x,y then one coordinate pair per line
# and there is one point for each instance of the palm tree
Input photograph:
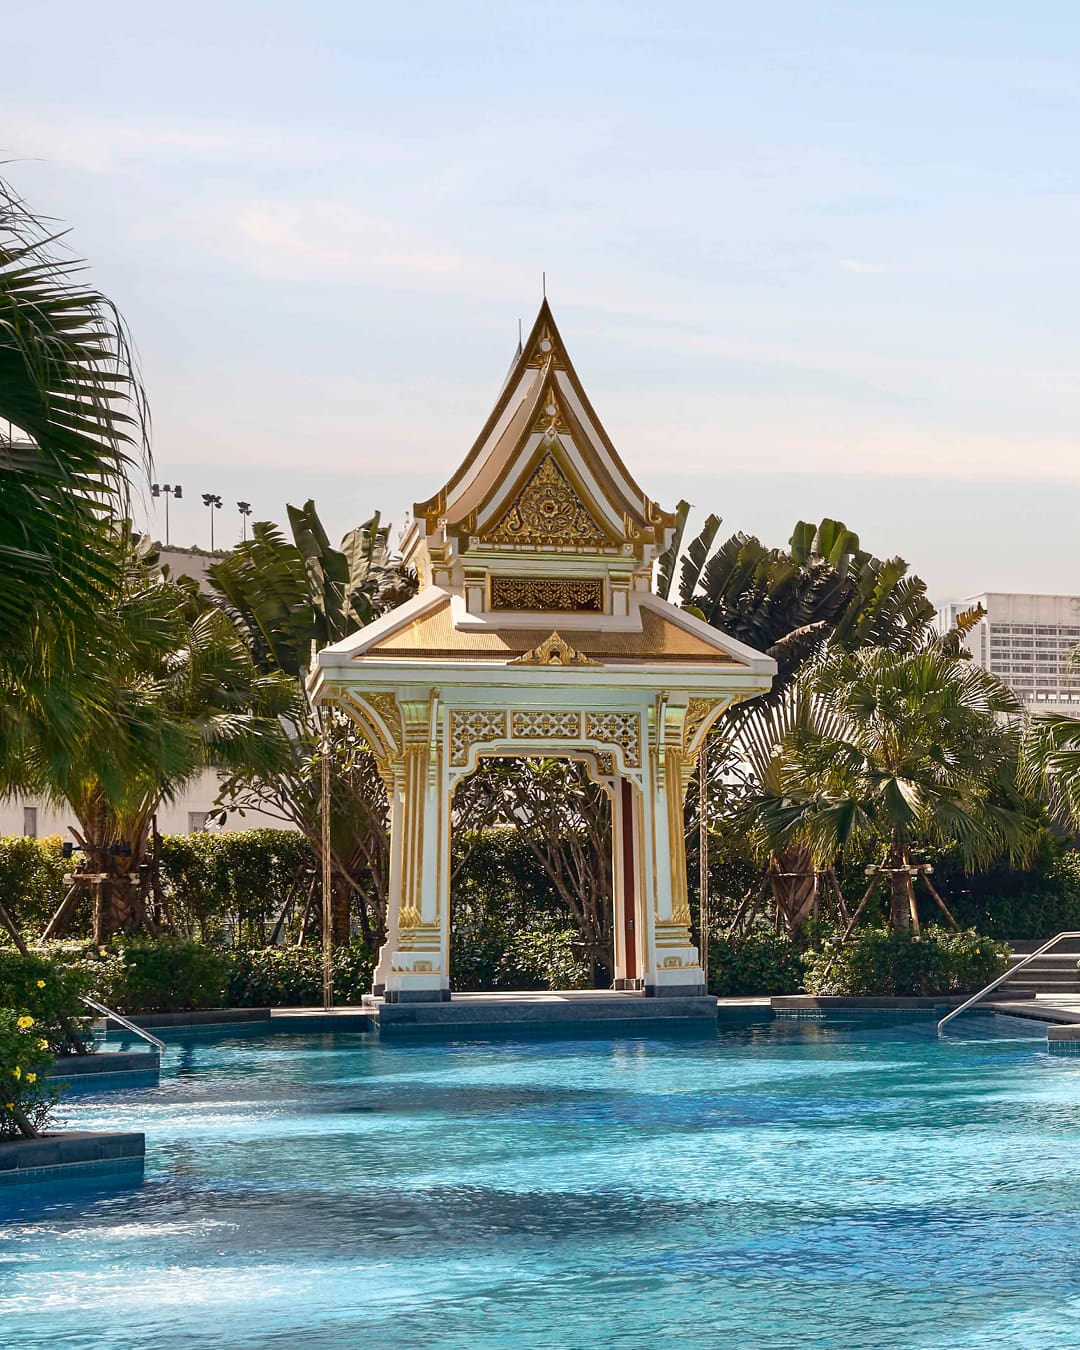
x,y
286,600
905,747
72,420
822,589
822,592
1051,763
174,691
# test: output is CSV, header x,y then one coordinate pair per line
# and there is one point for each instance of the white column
x,y
676,964
418,967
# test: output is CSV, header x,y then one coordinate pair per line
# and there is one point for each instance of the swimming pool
x,y
795,1183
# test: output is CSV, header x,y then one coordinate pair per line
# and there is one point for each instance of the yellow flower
x,y
41,984
102,952
10,1106
43,1044
17,1071
24,1022
31,1077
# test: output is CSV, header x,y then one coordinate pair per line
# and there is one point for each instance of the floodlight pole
x,y
212,502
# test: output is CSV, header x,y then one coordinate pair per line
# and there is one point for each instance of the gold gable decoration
x,y
548,512
553,651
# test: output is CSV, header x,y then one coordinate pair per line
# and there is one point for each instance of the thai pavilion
x,y
536,632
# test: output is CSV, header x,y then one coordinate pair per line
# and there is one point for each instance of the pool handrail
x,y
116,1017
1060,937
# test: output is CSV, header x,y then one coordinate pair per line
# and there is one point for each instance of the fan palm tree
x,y
72,420
903,746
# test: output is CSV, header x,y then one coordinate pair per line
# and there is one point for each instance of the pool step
x,y
1055,972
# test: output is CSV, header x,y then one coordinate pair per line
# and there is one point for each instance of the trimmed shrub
x,y
48,991
760,963
32,880
290,977
24,1061
231,886
144,975
878,962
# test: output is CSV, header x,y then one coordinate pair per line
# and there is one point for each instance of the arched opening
x,y
532,875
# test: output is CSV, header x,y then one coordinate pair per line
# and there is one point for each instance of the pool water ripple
x,y
856,1184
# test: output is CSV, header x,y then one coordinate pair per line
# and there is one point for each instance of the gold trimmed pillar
x,y
415,967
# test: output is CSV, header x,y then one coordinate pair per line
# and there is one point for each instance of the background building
x,y
1027,641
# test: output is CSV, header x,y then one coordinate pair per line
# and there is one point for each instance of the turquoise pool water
x,y
812,1184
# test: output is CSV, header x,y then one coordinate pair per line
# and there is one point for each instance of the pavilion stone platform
x,y
570,1009
536,633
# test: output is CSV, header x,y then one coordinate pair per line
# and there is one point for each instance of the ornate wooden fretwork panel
x,y
543,725
469,728
485,726
582,596
617,728
548,513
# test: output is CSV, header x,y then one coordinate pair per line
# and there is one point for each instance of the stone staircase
x,y
1054,973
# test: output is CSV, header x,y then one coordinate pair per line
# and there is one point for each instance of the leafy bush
x,y
760,963
24,1061
277,977
32,879
876,961
231,884
48,991
216,885
143,975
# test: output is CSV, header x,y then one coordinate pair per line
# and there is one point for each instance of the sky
x,y
809,258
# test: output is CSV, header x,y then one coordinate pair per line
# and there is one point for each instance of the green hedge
x,y
225,888
760,963
879,962
282,977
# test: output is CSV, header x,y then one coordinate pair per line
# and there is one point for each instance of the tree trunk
x,y
901,891
793,882
340,912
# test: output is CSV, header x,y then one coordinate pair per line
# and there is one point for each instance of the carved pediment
x,y
553,651
548,512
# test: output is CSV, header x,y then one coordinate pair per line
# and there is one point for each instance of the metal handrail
x,y
116,1017
1002,978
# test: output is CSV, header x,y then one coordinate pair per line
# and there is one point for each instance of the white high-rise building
x,y
1027,641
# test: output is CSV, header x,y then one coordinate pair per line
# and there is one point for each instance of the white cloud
x,y
100,146
868,268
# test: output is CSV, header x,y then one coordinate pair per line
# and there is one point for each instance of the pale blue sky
x,y
809,257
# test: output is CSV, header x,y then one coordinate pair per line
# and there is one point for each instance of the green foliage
x,y
284,977
144,975
236,881
759,963
72,405
217,886
47,990
32,879
508,928
25,1059
878,962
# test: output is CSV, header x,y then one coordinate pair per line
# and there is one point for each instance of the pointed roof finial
x,y
543,284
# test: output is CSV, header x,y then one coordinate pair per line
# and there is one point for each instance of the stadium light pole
x,y
156,489
213,503
245,510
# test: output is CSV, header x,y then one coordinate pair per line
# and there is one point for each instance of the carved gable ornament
x,y
548,512
553,651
